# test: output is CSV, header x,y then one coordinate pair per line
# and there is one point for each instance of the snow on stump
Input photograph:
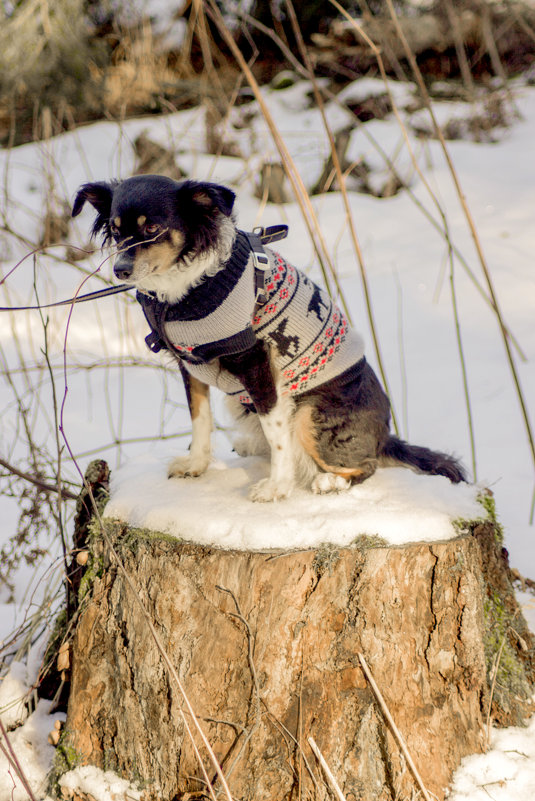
x,y
266,644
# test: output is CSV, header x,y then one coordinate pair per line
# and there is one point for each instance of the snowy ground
x,y
106,400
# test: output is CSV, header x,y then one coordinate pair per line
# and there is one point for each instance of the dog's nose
x,y
124,266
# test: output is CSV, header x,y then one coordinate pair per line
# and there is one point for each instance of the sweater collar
x,y
210,293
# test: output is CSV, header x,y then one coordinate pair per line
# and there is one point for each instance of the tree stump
x,y
266,646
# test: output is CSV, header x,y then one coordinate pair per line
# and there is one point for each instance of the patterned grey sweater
x,y
313,341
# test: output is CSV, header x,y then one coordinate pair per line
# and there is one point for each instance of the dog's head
x,y
160,226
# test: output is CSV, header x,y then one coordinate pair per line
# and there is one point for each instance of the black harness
x,y
248,243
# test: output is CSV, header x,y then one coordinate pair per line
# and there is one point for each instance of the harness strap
x,y
261,266
259,237
271,234
156,340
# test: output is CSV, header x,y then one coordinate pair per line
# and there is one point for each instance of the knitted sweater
x,y
312,339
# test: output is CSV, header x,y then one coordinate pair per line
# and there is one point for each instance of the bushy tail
x,y
423,459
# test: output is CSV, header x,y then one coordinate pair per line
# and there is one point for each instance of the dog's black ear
x,y
98,194
209,196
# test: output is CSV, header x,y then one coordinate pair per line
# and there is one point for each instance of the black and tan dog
x,y
239,317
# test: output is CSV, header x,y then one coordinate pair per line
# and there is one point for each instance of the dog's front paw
x,y
329,482
269,490
187,466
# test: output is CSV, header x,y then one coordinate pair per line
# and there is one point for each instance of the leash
x,y
100,293
260,236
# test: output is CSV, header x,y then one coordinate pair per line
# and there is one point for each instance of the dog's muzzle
x,y
124,266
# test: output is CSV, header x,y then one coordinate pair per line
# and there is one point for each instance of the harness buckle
x,y
261,266
154,343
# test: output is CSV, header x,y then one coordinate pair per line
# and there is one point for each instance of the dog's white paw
x,y
329,482
187,466
269,490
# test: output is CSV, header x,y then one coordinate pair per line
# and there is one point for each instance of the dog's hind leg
x,y
200,452
343,425
342,444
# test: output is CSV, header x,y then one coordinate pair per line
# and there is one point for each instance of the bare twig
x,y
300,730
494,678
395,731
256,687
42,485
463,365
492,49
492,688
464,66
328,772
285,731
13,760
309,215
45,352
40,249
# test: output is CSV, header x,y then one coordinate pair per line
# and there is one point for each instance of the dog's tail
x,y
421,459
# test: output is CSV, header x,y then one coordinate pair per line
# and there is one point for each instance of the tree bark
x,y
266,646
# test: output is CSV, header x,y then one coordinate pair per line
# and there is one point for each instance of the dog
x,y
298,383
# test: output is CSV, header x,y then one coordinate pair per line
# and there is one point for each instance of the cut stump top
x,y
394,505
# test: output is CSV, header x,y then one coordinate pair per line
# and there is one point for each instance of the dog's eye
x,y
152,228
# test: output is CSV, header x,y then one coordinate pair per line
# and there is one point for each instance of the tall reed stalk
x,y
471,225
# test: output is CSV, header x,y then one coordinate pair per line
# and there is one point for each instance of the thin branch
x,y
65,493
13,760
286,732
45,351
328,772
494,674
453,17
256,686
395,731
463,366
